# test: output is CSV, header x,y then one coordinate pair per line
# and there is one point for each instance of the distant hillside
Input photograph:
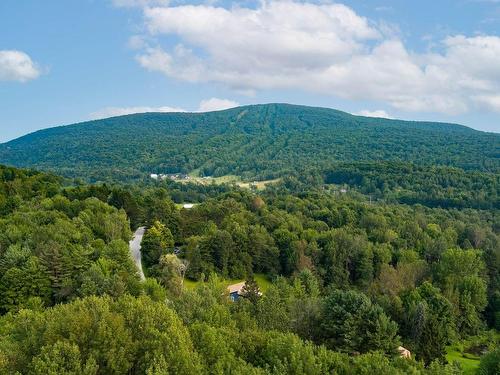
x,y
261,141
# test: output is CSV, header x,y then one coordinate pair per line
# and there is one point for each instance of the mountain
x,y
258,141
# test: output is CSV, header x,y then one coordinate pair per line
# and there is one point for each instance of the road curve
x,y
135,250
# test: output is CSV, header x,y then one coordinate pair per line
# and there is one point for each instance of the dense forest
x,y
375,235
254,142
352,274
433,186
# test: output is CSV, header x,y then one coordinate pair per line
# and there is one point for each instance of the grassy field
x,y
469,364
228,179
259,185
261,280
197,179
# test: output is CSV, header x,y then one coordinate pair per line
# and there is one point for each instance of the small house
x,y
404,353
235,291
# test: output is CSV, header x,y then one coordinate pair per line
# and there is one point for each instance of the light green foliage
x,y
157,241
115,337
460,273
469,366
170,272
343,270
53,249
62,358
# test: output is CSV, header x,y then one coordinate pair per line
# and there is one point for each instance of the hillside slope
x,y
260,141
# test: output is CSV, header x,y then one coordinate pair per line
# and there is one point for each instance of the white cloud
x,y
491,103
320,47
120,111
245,47
182,65
216,104
17,66
305,35
377,113
206,105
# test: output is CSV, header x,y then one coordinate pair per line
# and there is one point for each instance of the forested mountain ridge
x,y
258,142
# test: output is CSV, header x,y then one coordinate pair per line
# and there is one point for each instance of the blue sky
x,y
64,61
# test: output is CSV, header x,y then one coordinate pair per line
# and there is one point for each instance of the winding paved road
x,y
135,250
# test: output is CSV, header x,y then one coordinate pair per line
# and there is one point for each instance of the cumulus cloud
x,y
216,104
377,113
320,47
17,66
245,47
120,111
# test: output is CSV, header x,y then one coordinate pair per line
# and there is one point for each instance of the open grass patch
x,y
227,179
259,185
467,361
262,281
196,179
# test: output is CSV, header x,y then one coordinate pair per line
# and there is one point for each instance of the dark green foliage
x,y
432,186
255,141
347,258
53,249
251,290
428,322
490,363
201,333
349,322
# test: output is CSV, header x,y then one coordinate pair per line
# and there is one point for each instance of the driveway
x,y
135,250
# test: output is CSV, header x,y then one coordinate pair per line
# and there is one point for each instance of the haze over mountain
x,y
258,142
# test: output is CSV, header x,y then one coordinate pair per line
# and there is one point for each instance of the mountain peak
x,y
263,140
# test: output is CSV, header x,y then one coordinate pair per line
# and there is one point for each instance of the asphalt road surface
x,y
135,250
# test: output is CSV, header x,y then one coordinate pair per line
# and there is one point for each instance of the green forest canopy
x,y
378,233
348,277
